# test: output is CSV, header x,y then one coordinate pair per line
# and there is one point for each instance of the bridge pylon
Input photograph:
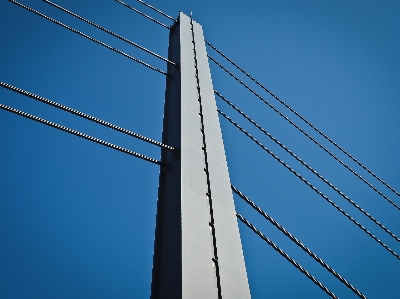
x,y
197,250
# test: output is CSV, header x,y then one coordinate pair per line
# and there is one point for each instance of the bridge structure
x,y
369,225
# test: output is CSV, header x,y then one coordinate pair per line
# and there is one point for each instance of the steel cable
x,y
84,115
285,255
79,134
143,14
305,133
301,117
312,170
88,37
298,243
157,10
316,142
309,184
109,32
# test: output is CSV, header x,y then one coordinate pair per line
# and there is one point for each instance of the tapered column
x,y
198,252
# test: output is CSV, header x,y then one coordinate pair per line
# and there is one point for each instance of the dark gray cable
x,y
309,184
109,32
316,142
88,37
298,243
79,134
302,118
157,10
301,130
286,256
139,12
84,115
312,170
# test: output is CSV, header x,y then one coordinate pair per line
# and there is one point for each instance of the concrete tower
x,y
197,251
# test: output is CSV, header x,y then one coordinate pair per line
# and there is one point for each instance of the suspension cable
x,y
286,256
157,10
109,32
88,37
314,171
309,184
84,115
143,14
298,243
301,117
79,134
315,141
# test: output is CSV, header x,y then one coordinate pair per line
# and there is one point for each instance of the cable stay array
x,y
303,119
297,242
110,32
285,255
84,115
79,134
321,146
309,168
89,38
302,131
266,133
308,184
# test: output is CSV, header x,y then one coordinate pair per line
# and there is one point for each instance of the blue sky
x,y
77,219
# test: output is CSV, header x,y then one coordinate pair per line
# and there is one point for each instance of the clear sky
x,y
77,219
